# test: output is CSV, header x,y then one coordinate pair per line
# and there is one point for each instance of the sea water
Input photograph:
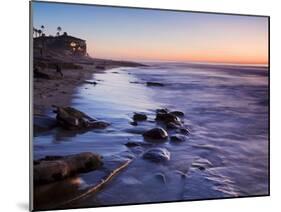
x,y
226,112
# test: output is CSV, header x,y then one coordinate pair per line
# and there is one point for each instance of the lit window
x,y
72,44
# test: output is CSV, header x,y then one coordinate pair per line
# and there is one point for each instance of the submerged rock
x,y
156,133
71,119
139,117
157,155
168,118
161,177
183,131
135,144
154,84
172,126
99,124
136,82
202,164
90,82
134,123
178,138
53,168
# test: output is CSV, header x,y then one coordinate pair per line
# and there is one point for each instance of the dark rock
x,y
167,118
90,82
72,119
134,123
172,126
157,155
162,110
178,138
53,168
139,117
154,84
99,124
177,113
156,133
135,144
115,72
183,131
132,144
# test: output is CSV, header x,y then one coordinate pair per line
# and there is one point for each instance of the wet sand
x,y
48,92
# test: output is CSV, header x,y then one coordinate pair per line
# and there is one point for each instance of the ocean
x,y
226,111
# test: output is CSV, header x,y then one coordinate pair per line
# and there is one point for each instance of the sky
x,y
156,35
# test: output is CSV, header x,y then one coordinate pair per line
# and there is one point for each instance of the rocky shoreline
x,y
52,95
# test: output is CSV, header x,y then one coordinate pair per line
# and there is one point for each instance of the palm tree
x,y
59,29
39,31
42,28
35,32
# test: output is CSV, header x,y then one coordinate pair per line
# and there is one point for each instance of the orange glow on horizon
x,y
256,57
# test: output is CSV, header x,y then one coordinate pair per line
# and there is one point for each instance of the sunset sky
x,y
154,35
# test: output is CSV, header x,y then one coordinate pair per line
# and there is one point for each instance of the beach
x,y
60,91
225,153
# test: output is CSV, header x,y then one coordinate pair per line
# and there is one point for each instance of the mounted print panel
x,y
136,105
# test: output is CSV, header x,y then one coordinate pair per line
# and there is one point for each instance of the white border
x,y
15,103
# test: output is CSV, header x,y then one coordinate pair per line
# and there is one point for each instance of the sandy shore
x,y
48,92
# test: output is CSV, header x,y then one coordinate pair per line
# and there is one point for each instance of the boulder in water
x,y
172,126
178,138
99,124
73,119
156,133
157,155
139,117
53,168
168,117
183,131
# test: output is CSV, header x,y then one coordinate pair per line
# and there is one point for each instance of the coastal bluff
x,y
61,64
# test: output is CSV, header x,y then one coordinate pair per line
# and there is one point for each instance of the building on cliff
x,y
63,43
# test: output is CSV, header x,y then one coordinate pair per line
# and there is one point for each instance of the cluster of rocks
x,y
172,129
53,168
